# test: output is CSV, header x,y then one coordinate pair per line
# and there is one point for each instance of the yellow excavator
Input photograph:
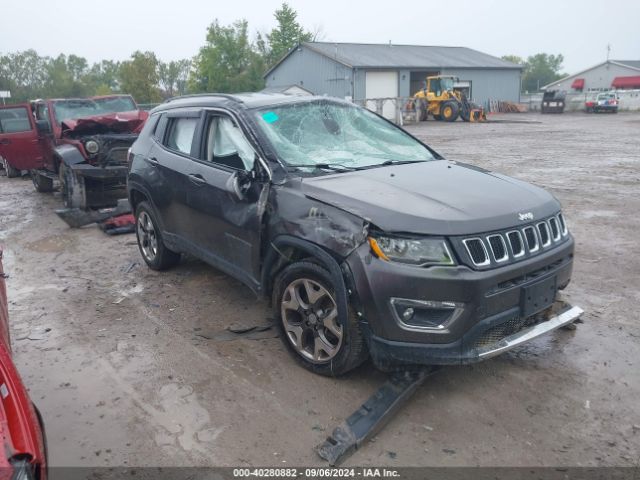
x,y
443,101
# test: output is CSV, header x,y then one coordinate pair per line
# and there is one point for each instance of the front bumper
x,y
494,314
109,172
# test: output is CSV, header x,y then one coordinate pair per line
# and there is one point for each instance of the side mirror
x,y
43,127
238,184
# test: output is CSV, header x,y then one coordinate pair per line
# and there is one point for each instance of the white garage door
x,y
382,85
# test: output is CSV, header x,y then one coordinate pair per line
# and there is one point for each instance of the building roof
x,y
633,64
373,55
629,63
285,89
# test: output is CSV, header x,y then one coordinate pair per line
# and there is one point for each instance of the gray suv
x,y
368,242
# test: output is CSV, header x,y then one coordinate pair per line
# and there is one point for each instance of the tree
x,y
103,77
173,76
513,59
287,34
24,74
66,77
228,62
139,77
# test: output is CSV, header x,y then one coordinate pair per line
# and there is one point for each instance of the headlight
x,y
422,252
92,147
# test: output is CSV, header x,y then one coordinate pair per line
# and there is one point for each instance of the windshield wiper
x,y
335,167
387,163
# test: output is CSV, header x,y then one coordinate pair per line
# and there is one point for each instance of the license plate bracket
x,y
538,296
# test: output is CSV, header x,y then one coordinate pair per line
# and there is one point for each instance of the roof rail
x,y
192,95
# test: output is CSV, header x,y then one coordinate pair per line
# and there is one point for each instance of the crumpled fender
x,y
69,154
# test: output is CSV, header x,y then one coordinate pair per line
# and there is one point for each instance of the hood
x,y
437,198
120,122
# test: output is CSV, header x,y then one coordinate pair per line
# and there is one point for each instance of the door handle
x,y
197,179
5,141
153,160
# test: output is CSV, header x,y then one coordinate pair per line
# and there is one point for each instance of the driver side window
x,y
226,144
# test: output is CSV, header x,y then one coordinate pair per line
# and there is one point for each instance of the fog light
x,y
407,314
418,315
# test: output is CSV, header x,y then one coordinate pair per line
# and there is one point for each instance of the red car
x,y
24,454
82,142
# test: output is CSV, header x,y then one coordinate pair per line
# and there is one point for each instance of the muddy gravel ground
x,y
117,358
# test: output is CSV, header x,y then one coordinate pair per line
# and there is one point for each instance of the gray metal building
x,y
362,71
622,74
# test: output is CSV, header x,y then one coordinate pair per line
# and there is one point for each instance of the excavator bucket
x,y
477,115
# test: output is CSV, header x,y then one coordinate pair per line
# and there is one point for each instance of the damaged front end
x,y
93,160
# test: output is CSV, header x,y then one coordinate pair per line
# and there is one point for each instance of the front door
x,y
20,143
227,228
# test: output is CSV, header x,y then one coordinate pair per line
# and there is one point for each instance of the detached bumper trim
x,y
555,322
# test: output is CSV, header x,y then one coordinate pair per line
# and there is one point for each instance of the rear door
x,y
171,158
20,143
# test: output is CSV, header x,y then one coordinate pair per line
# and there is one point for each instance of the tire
x,y
9,170
72,188
449,111
152,248
41,183
304,300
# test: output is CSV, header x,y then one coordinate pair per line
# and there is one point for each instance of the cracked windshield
x,y
324,134
80,108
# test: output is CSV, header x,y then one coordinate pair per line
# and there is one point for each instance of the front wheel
x,y
311,328
449,111
10,171
154,252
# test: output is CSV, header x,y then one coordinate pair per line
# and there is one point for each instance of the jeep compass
x,y
367,241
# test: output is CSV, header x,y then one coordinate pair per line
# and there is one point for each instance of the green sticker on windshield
x,y
270,117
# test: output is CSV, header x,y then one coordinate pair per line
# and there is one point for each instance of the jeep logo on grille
x,y
525,216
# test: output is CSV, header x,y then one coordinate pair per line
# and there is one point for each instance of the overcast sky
x,y
113,29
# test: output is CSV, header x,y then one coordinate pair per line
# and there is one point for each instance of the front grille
x,y
563,226
512,326
543,230
477,251
532,239
499,247
515,241
494,334
555,231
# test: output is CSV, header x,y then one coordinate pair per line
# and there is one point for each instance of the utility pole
x,y
608,50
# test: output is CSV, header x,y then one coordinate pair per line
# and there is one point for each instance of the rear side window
x,y
14,120
180,134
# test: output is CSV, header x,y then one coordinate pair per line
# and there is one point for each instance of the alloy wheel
x,y
310,318
147,237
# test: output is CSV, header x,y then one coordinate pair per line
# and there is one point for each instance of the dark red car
x,y
24,454
82,142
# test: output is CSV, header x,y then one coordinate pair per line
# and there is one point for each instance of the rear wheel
x,y
41,183
154,252
9,170
305,301
449,111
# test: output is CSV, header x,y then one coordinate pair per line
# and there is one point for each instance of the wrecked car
x,y
21,427
82,142
368,242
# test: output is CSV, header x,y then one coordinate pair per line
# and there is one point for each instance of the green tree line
x,y
230,61
538,70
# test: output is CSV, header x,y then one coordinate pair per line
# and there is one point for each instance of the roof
x,y
284,89
634,64
246,100
376,55
629,63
